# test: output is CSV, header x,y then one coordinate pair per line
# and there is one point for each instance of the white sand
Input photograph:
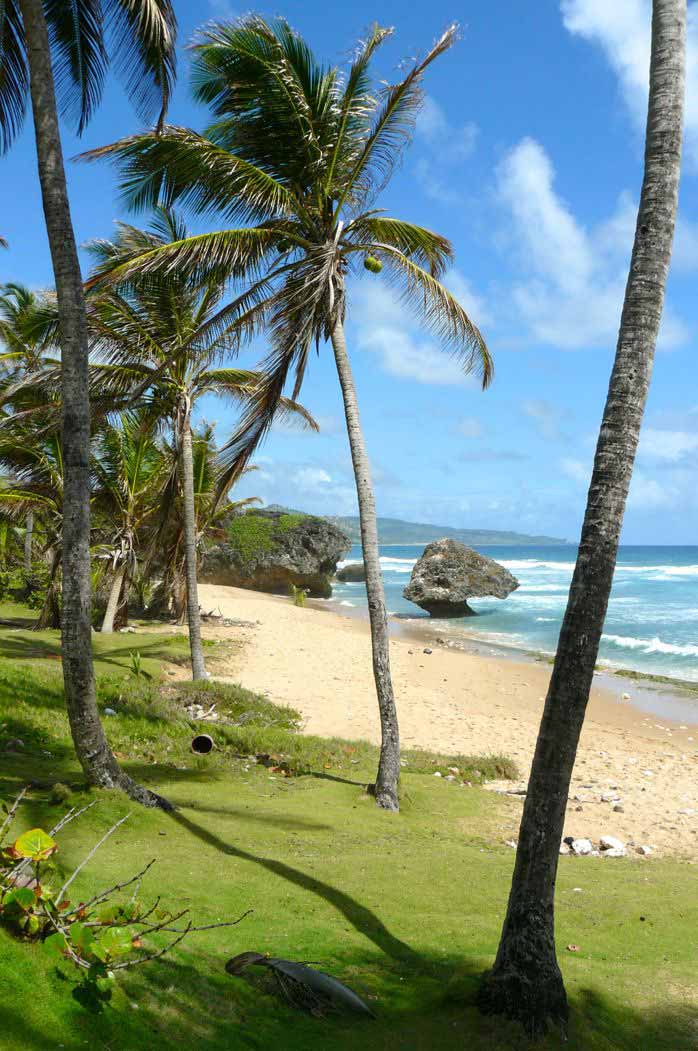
x,y
320,663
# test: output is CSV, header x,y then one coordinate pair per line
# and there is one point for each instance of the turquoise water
x,y
652,620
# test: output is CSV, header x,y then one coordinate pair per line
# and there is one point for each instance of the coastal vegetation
x,y
388,864
301,152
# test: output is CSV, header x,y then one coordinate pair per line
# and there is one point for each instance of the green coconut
x,y
373,264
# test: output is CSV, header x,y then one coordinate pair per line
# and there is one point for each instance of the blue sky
x,y
528,156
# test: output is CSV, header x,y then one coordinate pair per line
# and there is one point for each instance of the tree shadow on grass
x,y
284,821
26,645
363,919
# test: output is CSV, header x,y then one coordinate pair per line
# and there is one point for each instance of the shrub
x,y
101,936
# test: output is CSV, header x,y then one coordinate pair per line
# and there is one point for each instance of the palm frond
x,y
79,56
216,256
357,105
143,38
271,97
178,166
14,74
423,246
392,127
440,312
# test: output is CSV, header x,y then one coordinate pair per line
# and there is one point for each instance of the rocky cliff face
x,y
270,550
449,573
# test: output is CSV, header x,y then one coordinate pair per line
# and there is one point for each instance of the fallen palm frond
x,y
304,987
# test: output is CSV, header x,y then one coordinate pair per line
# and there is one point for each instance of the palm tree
x,y
213,511
25,340
36,467
38,35
525,982
159,339
130,471
300,151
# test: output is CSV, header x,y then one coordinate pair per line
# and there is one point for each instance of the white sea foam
x,y
665,571
532,563
526,588
345,603
654,645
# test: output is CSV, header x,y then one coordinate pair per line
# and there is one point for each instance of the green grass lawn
x,y
406,909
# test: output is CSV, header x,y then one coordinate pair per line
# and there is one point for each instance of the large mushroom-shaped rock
x,y
352,573
449,573
270,550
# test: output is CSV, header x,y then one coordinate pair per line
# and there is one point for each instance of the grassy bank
x,y
405,909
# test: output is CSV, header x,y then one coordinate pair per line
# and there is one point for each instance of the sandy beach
x,y
460,702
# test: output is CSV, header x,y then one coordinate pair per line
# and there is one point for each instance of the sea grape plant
x,y
101,935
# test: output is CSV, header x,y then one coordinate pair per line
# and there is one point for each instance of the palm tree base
x,y
536,999
386,798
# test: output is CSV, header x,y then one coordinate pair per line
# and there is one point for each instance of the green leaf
x,y
108,913
33,924
82,938
56,943
114,941
22,897
35,844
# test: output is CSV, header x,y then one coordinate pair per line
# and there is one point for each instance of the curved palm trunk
x,y
28,541
113,600
389,762
93,751
198,667
526,982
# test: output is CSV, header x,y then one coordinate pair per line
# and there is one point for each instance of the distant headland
x,y
397,531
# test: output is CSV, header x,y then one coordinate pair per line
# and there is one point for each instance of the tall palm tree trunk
x,y
93,751
113,600
526,982
28,542
198,666
389,762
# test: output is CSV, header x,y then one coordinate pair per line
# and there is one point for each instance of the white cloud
x,y
622,29
380,324
435,129
669,446
311,477
434,185
575,278
556,246
648,494
446,145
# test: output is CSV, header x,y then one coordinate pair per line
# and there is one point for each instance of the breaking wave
x,y
654,645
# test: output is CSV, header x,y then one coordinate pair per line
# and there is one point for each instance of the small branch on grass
x,y
103,895
155,955
11,813
72,815
89,857
207,926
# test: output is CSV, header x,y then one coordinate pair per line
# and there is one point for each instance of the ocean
x,y
652,620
